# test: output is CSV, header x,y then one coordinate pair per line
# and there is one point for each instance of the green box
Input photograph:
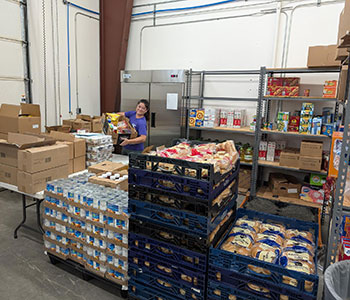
x,y
317,179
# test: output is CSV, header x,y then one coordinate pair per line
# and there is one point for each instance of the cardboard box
x,y
310,163
3,136
342,83
245,175
289,158
70,148
79,144
20,118
284,186
36,182
86,118
38,159
68,122
80,124
71,166
312,149
61,128
79,164
344,21
122,184
16,141
322,56
341,54
107,166
96,124
8,174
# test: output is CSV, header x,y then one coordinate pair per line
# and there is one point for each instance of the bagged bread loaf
x,y
252,224
303,267
240,239
270,228
264,253
234,248
273,240
259,289
303,236
295,243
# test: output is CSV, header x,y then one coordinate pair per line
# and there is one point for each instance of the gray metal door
x,y
164,123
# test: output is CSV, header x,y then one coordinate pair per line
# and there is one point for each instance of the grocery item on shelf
x,y
290,158
312,194
283,86
344,252
280,146
345,230
330,89
196,118
284,185
271,147
316,125
282,121
262,150
327,129
294,122
337,140
317,179
211,117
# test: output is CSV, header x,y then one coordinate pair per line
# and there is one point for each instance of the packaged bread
x,y
301,244
240,239
303,236
234,248
273,228
264,253
259,289
303,267
270,239
252,224
245,230
295,254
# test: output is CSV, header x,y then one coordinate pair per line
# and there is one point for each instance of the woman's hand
x,y
125,142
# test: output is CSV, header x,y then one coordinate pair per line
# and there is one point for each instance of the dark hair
x,y
146,103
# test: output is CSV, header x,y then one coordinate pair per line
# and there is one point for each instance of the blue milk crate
x,y
168,252
177,219
241,281
184,186
139,291
202,207
194,279
239,264
148,227
165,284
221,291
180,167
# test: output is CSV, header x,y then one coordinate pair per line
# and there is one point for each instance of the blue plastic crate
x,y
180,167
202,207
193,279
188,240
242,280
167,252
221,291
177,219
238,264
166,284
139,291
184,186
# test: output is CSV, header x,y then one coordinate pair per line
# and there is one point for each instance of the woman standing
x,y
138,119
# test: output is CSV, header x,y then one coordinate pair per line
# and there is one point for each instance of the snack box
x,y
317,179
344,253
290,91
327,129
306,106
316,125
312,194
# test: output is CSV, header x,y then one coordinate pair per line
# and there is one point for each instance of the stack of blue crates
x,y
230,276
175,218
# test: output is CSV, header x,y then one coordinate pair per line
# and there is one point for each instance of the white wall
x,y
87,64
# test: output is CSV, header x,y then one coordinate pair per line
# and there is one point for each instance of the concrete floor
x,y
26,272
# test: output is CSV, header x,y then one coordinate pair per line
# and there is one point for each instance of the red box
x,y
344,253
294,122
274,90
329,92
290,91
275,81
291,81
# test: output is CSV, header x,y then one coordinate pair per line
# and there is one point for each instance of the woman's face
x,y
141,109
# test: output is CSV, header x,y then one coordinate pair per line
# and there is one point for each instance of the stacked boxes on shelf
x,y
283,86
99,147
264,256
88,224
177,210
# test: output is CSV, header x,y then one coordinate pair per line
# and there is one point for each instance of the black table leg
x,y
24,207
38,215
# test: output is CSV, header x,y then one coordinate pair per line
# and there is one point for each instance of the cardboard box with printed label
x,y
312,149
20,118
38,159
78,144
96,124
8,174
290,158
78,164
36,182
107,166
310,163
284,185
17,141
70,147
322,56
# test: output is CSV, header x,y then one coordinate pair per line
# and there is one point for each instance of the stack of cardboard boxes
x,y
308,158
77,150
29,161
85,122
